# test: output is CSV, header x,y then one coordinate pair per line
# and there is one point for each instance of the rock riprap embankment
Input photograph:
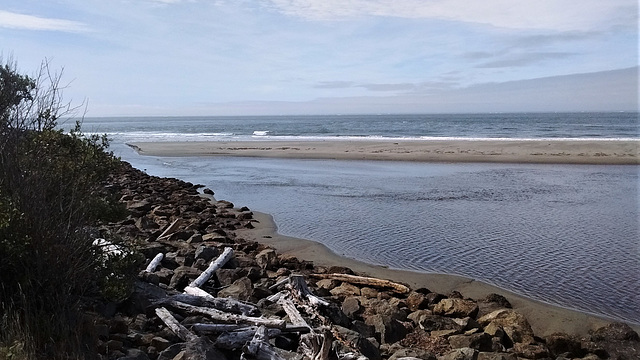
x,y
213,295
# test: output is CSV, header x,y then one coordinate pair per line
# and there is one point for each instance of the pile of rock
x,y
282,307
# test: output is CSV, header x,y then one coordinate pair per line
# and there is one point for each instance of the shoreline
x,y
545,318
596,152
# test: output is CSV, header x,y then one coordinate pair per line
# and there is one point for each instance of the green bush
x,y
51,195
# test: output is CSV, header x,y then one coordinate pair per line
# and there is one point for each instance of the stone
x,y
417,301
241,289
406,353
615,331
530,351
478,341
344,290
135,354
182,276
560,343
206,253
496,356
327,284
351,306
460,354
202,348
359,342
267,259
145,223
390,330
456,308
437,322
369,293
514,325
228,276
160,343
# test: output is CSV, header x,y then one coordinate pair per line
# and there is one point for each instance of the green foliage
x,y
51,194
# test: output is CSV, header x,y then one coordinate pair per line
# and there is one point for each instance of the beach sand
x,y
544,318
507,151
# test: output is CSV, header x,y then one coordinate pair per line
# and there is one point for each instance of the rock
x,y
267,259
390,330
407,353
139,208
145,223
369,293
460,354
241,289
182,276
615,331
514,325
160,343
208,191
559,343
351,306
171,352
228,276
357,341
437,322
456,308
416,316
327,284
206,253
417,301
135,354
345,290
496,356
202,349
530,351
114,345
478,341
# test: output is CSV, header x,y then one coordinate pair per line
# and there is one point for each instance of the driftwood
x,y
170,230
317,346
225,304
232,340
301,290
154,263
174,325
294,315
222,328
225,317
259,347
369,281
215,265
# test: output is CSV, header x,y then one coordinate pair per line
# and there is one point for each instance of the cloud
x,y
520,60
29,22
561,15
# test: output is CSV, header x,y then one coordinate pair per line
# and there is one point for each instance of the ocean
x,y
567,235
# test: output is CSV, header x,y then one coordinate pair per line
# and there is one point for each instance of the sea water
x,y
563,234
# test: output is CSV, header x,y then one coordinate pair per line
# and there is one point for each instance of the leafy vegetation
x,y
52,194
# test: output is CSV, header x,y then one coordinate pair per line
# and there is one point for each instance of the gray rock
x,y
460,354
206,253
351,306
456,308
390,330
478,341
241,289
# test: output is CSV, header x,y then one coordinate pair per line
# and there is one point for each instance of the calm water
x,y
565,234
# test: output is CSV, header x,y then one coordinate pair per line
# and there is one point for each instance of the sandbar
x,y
545,319
506,151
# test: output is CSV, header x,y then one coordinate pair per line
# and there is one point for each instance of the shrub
x,y
51,194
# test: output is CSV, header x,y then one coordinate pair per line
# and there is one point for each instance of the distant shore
x,y
611,152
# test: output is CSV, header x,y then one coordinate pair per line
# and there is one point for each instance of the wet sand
x,y
545,319
507,151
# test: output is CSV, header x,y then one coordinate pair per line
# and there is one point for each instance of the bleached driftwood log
x,y
226,317
174,325
294,315
221,328
317,346
154,263
215,265
225,304
170,230
299,285
369,281
259,347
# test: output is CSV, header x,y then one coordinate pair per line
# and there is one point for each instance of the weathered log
x,y
154,263
259,347
236,339
224,304
294,315
215,265
300,286
369,281
317,346
225,317
170,230
174,325
222,328
279,283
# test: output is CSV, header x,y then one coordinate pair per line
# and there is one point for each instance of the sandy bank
x,y
520,151
545,319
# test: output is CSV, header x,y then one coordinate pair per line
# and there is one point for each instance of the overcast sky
x,y
219,57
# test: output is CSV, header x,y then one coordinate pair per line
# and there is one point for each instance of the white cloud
x,y
29,22
564,15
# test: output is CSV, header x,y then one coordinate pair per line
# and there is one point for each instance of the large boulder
x,y
456,308
513,324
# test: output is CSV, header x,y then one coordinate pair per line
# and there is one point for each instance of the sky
x,y
271,57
